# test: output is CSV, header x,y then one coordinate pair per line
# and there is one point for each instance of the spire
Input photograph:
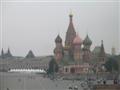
x,y
2,53
102,46
58,39
70,34
102,51
8,50
87,41
70,15
102,42
8,53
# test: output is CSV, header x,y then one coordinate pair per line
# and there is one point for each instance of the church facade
x,y
75,56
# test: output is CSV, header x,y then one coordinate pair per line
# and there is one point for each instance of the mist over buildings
x,y
35,25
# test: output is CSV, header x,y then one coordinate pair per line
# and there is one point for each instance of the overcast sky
x,y
34,25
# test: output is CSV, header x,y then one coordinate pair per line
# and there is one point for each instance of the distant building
x,y
7,54
30,54
8,61
96,50
113,51
102,55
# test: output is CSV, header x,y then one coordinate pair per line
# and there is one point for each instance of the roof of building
x,y
58,39
87,41
96,50
67,60
70,34
77,40
25,63
102,51
7,54
30,54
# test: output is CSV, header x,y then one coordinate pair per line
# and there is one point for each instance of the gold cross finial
x,y
71,13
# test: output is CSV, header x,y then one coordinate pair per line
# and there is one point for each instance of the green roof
x,y
67,60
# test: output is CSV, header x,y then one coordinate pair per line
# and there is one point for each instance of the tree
x,y
112,65
53,67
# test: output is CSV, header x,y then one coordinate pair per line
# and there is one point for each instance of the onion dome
x,y
87,41
58,39
77,40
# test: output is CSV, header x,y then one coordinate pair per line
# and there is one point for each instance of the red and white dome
x,y
77,40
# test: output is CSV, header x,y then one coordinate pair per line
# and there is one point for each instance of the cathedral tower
x,y
58,51
102,53
8,54
70,35
2,53
86,49
77,48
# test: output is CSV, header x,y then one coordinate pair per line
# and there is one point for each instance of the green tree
x,y
112,65
53,66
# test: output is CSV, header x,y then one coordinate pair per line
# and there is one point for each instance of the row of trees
x,y
112,65
53,67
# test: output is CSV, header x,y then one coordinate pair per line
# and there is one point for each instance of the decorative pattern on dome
x,y
58,39
77,40
87,41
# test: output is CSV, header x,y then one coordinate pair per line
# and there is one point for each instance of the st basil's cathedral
x,y
76,57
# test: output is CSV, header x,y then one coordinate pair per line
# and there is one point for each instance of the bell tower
x,y
58,51
86,49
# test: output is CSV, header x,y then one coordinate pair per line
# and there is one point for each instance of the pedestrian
x,y
75,88
115,81
104,82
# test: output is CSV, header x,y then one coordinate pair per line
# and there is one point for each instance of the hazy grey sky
x,y
35,25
